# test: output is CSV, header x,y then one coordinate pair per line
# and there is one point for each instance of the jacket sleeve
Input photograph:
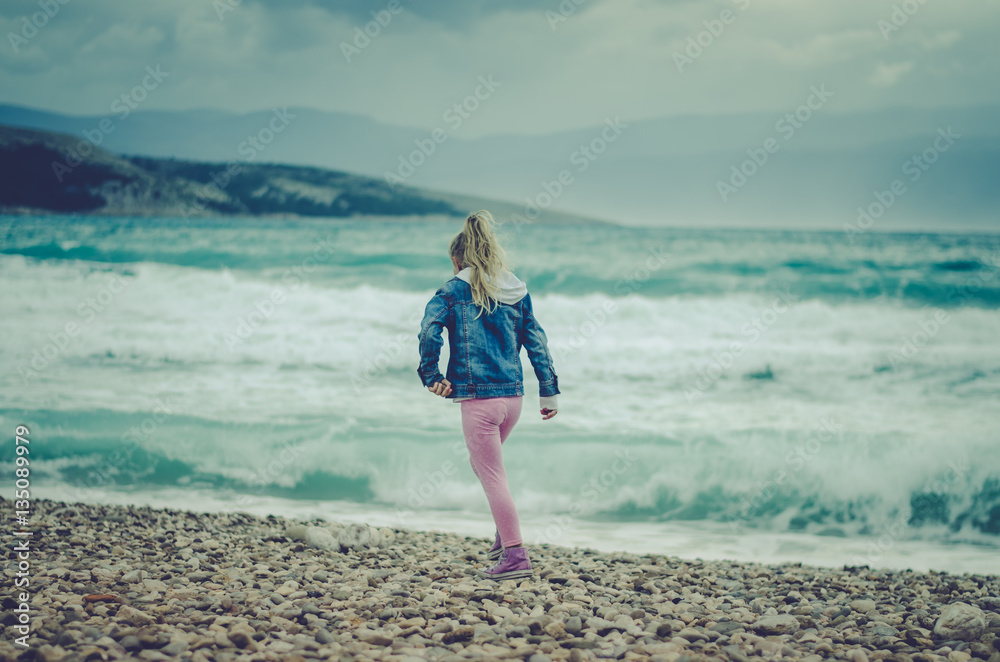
x,y
430,340
536,343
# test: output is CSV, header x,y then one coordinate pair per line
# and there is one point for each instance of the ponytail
x,y
477,247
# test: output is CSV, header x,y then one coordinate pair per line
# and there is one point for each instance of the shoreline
x,y
705,540
115,582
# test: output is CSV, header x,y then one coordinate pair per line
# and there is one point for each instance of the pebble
x,y
130,643
459,634
960,621
241,638
857,655
175,647
725,627
133,576
228,586
374,637
862,605
775,624
132,616
768,648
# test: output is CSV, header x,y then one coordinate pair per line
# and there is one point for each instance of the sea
x,y
820,397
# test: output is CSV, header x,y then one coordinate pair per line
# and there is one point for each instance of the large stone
x,y
320,538
356,536
296,531
775,624
960,621
385,537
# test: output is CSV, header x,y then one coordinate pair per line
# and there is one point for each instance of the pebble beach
x,y
117,583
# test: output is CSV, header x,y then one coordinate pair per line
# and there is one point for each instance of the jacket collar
x,y
512,289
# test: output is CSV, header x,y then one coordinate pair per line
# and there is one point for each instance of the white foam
x,y
337,366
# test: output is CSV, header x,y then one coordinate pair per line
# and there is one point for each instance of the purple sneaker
x,y
513,564
496,550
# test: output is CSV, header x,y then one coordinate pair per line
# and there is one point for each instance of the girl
x,y
487,312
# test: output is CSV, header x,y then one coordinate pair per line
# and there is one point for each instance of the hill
x,y
46,172
660,171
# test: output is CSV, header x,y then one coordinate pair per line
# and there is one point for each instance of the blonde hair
x,y
477,247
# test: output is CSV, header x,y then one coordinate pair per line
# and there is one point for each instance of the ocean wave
x,y
951,503
711,357
917,270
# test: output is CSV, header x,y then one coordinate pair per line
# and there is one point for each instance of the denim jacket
x,y
485,353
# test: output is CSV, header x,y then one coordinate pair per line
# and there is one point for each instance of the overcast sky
x,y
608,57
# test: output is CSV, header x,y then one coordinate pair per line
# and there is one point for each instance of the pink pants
x,y
486,422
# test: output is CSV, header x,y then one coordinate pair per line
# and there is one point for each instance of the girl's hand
x,y
548,413
442,388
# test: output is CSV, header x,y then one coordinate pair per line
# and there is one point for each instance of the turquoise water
x,y
765,381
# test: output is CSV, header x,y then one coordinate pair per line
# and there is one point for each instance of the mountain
x,y
46,172
658,171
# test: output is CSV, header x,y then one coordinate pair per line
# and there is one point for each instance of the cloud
x,y
452,14
610,57
887,75
943,39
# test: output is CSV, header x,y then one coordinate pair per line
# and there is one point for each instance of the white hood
x,y
512,289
